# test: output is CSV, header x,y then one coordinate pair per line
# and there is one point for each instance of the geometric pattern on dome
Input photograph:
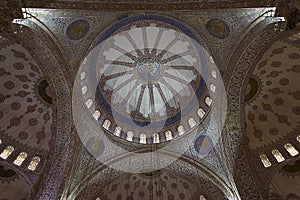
x,y
148,82
274,110
155,185
149,87
24,115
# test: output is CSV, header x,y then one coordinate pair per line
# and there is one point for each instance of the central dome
x,y
149,87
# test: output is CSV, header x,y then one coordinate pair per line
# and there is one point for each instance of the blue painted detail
x,y
148,69
203,144
101,100
126,20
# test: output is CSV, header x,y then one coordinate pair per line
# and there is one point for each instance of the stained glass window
x,y
192,122
168,135
214,74
34,163
213,88
117,131
201,112
106,124
89,103
181,130
20,159
129,136
208,101
84,89
202,197
96,114
6,152
265,160
143,138
156,138
82,75
277,155
291,149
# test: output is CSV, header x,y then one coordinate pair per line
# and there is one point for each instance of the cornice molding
x,y
149,5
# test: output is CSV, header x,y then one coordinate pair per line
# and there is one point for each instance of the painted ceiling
x,y
148,73
272,115
29,107
161,184
26,113
273,95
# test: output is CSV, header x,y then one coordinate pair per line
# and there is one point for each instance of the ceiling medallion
x,y
148,69
78,29
218,28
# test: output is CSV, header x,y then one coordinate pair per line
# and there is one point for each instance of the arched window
x,y
156,138
211,59
19,160
96,114
117,131
129,136
192,122
277,155
106,124
298,138
34,163
214,73
168,135
0,141
291,149
201,197
82,75
89,103
84,89
265,160
213,88
6,152
208,101
201,112
143,138
181,130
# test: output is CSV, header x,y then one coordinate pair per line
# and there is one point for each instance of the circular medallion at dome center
x,y
148,69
